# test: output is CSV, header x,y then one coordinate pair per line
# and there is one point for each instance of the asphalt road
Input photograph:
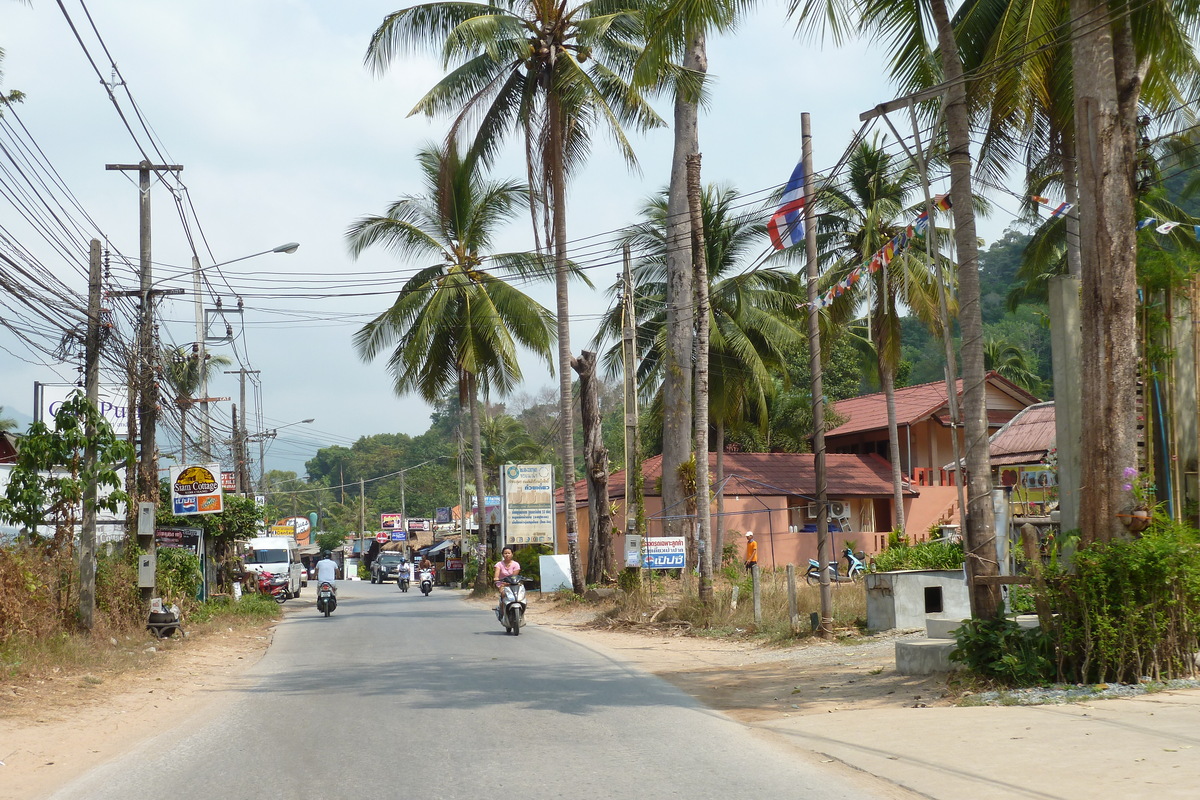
x,y
400,695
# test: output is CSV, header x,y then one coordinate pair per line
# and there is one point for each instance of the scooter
x,y
402,578
813,576
855,568
426,581
274,585
326,598
511,611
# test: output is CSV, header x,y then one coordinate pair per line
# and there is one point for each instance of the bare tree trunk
x,y
700,277
980,518
887,377
554,166
595,459
1106,89
677,367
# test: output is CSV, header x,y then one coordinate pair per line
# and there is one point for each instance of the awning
x,y
438,548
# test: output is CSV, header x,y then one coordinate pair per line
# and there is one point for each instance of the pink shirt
x,y
504,570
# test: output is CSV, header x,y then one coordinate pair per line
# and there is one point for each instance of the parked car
x,y
386,567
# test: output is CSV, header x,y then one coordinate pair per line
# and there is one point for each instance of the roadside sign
x,y
665,552
399,536
381,537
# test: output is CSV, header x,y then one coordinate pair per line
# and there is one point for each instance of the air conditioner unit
x,y
810,511
839,510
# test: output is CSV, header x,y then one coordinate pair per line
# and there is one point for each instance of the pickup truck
x,y
386,567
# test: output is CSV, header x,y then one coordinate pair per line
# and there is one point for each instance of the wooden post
x,y
1029,542
793,606
757,590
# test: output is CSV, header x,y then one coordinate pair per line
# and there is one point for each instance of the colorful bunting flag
x,y
1147,222
1167,227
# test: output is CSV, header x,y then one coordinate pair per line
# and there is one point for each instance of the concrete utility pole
x,y
633,461
147,410
241,434
362,520
824,550
91,370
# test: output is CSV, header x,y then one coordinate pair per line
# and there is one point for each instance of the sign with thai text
x,y
528,504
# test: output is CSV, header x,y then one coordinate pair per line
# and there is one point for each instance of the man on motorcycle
x,y
327,570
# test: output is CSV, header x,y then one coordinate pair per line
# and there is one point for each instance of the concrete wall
x,y
903,599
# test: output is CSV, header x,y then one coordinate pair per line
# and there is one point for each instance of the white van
x,y
279,555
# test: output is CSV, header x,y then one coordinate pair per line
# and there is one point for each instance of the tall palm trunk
x,y
677,372
699,257
981,523
477,456
887,377
719,529
554,166
1106,89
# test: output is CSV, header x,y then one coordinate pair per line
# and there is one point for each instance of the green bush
x,y
925,555
1130,609
1004,651
178,575
529,559
251,606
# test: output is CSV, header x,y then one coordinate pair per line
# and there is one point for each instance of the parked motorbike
x,y
511,611
426,577
326,598
813,576
855,568
274,585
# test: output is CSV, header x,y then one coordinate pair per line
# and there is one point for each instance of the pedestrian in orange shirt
x,y
751,551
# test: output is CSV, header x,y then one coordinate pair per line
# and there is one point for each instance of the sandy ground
x,y
48,727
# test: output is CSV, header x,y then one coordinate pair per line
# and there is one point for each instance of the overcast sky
x,y
285,136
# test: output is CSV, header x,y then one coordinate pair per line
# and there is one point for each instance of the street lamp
x,y
198,301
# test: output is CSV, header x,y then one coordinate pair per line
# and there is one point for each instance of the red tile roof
x,y
772,474
868,412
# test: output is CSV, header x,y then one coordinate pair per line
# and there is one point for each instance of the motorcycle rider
x,y
505,567
327,571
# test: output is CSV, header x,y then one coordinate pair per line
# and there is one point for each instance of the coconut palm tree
x,y
753,313
507,441
861,214
924,52
455,324
554,72
677,32
7,423
185,375
1008,361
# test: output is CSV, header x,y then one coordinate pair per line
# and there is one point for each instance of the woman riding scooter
x,y
505,567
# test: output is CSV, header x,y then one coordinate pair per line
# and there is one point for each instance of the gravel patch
x,y
1076,693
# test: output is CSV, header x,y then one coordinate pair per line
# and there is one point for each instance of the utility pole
x,y
91,360
201,361
243,467
362,519
147,410
633,465
824,550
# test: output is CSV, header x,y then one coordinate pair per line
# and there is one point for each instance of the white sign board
x,y
556,572
528,493
665,552
113,402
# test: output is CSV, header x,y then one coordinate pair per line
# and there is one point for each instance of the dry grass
x,y
674,603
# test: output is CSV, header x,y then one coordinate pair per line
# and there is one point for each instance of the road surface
x,y
400,695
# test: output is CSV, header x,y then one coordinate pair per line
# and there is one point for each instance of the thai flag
x,y
786,225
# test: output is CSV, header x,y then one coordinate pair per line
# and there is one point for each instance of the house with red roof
x,y
773,495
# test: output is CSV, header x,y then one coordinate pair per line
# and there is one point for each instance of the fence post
x,y
793,607
757,594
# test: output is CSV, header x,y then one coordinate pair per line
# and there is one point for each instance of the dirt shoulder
x,y
754,682
49,725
